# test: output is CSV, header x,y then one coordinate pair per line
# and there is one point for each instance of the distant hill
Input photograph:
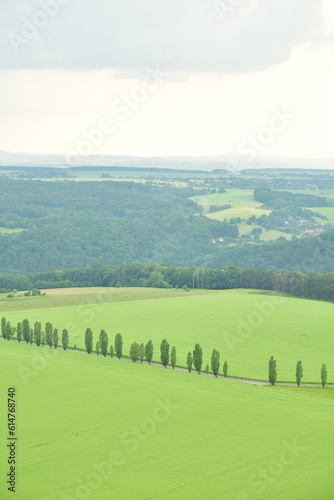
x,y
224,162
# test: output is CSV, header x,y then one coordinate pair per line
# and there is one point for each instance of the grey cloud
x,y
178,35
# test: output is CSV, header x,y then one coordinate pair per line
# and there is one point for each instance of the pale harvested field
x,y
74,291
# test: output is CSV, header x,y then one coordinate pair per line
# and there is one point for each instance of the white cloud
x,y
179,35
205,114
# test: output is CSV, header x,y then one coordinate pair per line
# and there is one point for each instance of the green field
x,y
5,230
98,428
241,200
246,327
266,235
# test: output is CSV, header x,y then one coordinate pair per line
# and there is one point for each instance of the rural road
x,y
243,381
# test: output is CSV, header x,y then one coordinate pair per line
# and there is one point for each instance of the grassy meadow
x,y
245,326
242,204
100,428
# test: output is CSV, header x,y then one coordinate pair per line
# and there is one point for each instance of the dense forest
x,y
71,224
311,285
66,225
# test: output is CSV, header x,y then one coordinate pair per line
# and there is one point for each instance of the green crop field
x,y
5,230
242,204
246,327
266,235
100,428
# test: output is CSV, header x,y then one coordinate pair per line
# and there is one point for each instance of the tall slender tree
x,y
173,357
8,331
97,347
31,335
119,345
198,358
323,375
104,342
3,326
215,362
26,330
141,352
272,370
19,332
49,333
55,338
37,333
64,339
164,353
189,361
134,351
112,351
149,351
225,369
89,340
299,372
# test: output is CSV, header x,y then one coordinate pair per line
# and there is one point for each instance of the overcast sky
x,y
167,77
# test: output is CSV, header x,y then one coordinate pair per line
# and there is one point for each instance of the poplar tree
x,y
55,338
25,330
112,351
38,333
8,331
141,352
104,342
97,347
64,339
225,369
323,375
119,345
3,326
299,372
19,332
134,351
173,357
198,358
272,370
48,333
164,353
189,361
89,340
149,351
215,362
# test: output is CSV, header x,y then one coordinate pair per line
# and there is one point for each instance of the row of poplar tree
x,y
299,372
138,352
141,352
34,334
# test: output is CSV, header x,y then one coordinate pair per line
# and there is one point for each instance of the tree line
x,y
272,372
138,352
30,334
311,285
